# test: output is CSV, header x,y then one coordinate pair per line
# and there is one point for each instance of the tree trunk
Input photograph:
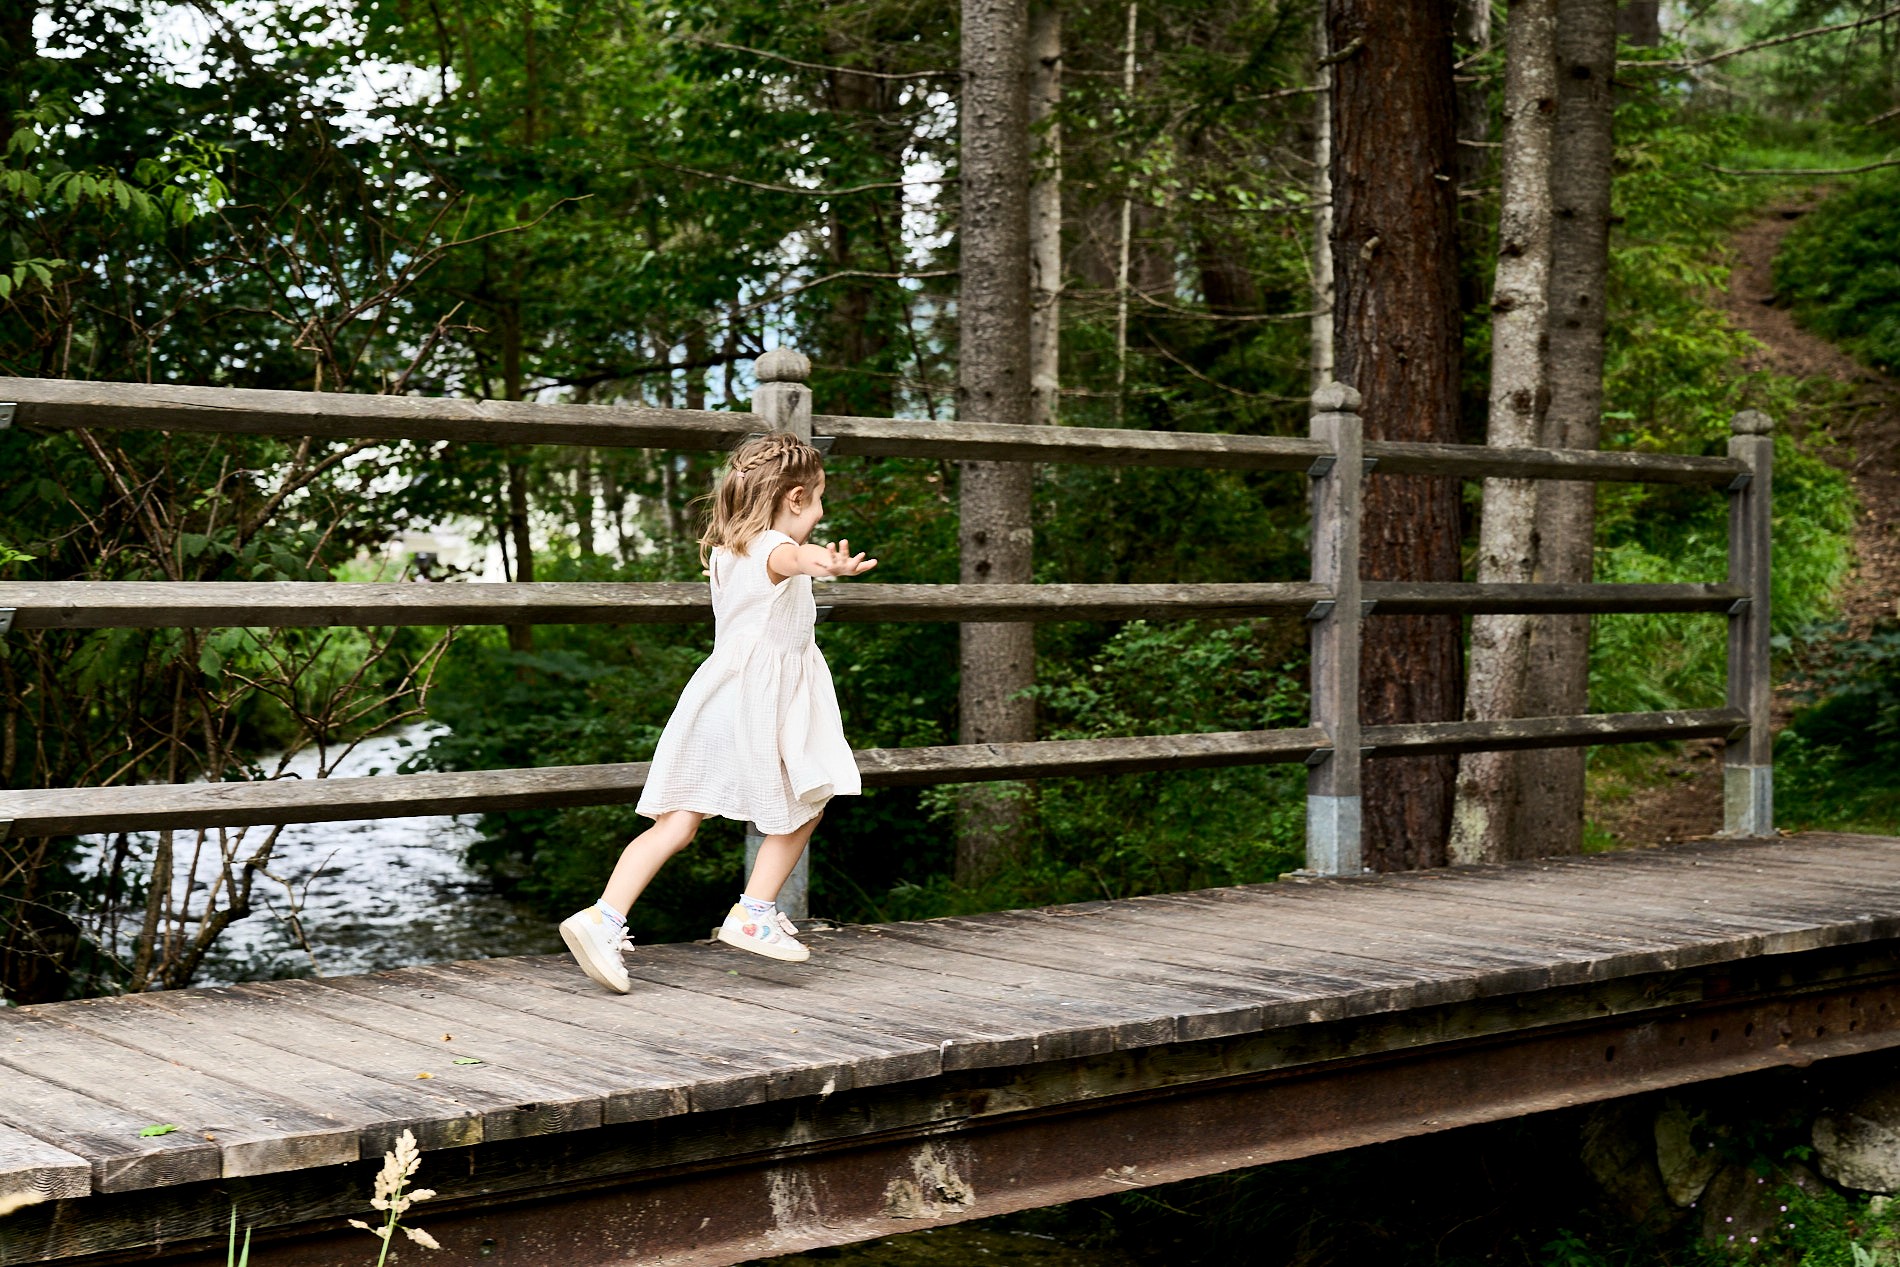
x,y
1395,262
995,537
1473,32
1321,331
1520,396
1045,213
1549,805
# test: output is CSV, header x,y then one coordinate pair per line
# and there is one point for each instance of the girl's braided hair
x,y
763,471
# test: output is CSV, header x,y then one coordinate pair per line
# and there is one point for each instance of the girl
x,y
756,736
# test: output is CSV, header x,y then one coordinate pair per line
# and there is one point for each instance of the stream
x,y
380,893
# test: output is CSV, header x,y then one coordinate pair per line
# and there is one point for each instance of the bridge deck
x,y
301,1078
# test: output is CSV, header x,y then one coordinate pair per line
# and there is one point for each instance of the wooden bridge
x,y
929,1072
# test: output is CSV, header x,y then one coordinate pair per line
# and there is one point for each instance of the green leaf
x,y
150,1131
467,1060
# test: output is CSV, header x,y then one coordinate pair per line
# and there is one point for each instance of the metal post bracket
x,y
824,613
1321,610
1322,466
1740,606
6,620
1741,481
7,408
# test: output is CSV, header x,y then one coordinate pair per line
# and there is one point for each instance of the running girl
x,y
756,736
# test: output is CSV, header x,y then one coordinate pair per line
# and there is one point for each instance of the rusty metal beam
x,y
769,1179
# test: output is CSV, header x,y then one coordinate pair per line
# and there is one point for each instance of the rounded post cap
x,y
1332,398
782,365
1751,422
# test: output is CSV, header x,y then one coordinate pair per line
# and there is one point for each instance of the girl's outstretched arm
x,y
834,558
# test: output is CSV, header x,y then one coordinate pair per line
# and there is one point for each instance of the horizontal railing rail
x,y
1336,602
269,802
233,411
315,604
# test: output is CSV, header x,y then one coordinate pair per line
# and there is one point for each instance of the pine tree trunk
x,y
1549,807
1045,213
1520,395
1397,339
998,660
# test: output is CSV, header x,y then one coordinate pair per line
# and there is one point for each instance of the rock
x,y
1685,1163
1620,1155
1857,1142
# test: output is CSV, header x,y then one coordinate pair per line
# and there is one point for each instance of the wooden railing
x,y
1336,602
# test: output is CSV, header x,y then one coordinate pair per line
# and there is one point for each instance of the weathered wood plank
x,y
1421,738
378,1110
1473,461
155,806
511,1103
1092,446
105,1135
256,1133
291,604
237,411
341,416
1412,598
59,811
32,1170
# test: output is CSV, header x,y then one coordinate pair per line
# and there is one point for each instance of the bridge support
x,y
1332,784
1748,802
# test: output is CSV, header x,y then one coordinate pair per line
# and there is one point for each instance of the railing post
x,y
1332,781
783,400
1748,786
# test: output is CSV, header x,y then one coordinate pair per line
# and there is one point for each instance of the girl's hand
x,y
839,561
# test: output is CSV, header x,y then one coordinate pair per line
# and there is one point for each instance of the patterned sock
x,y
613,917
757,908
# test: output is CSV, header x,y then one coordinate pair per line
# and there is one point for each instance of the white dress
x,y
756,735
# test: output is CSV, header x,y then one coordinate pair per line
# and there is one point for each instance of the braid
x,y
763,471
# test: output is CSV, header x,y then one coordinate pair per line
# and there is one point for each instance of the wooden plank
x,y
379,1111
293,604
1421,738
762,1058
256,1133
1092,446
62,811
343,416
973,1022
59,811
32,1170
636,1083
1412,598
105,1135
236,411
1476,461
512,1103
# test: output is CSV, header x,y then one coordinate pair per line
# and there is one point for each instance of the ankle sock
x,y
756,907
613,917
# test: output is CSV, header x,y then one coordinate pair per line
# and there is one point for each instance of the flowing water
x,y
381,893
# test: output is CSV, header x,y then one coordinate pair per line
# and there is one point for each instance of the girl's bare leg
x,y
777,856
646,853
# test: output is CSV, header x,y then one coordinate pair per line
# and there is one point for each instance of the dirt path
x,y
1866,425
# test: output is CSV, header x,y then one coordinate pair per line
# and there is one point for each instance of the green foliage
x,y
1838,754
1840,268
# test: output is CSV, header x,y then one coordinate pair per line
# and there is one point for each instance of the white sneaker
x,y
597,946
768,937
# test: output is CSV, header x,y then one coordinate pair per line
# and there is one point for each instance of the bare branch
x,y
1690,63
771,188
1804,171
833,70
